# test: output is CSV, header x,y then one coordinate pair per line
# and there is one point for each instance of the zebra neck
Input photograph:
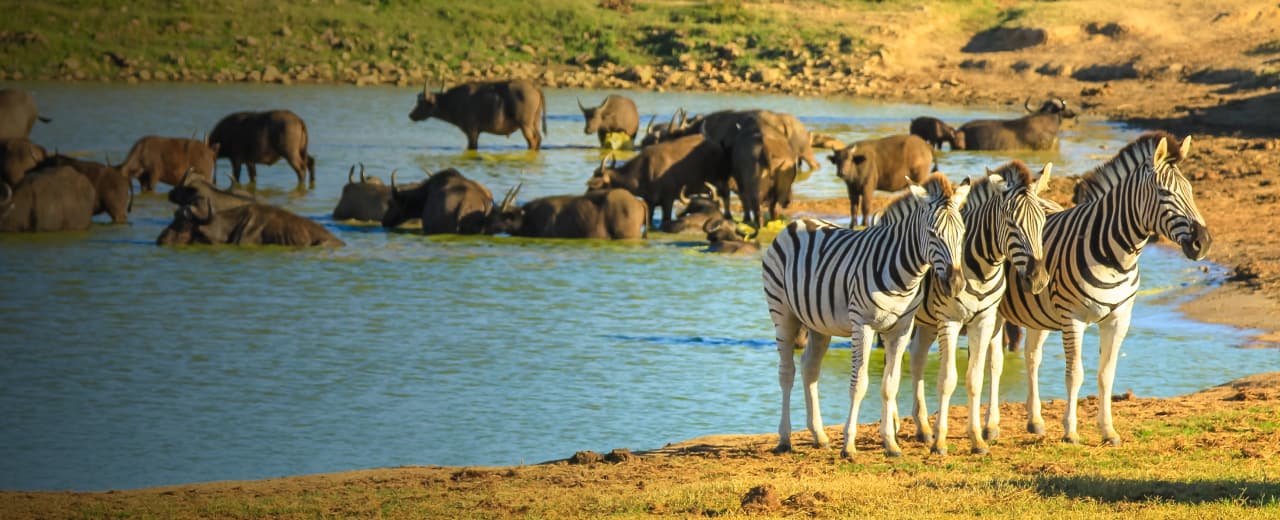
x,y
903,256
984,253
1123,226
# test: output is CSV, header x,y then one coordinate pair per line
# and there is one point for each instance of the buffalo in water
x,y
364,199
249,224
935,132
17,114
447,202
194,190
48,199
887,164
1035,131
499,107
17,157
699,208
723,237
252,138
600,214
166,159
661,171
114,192
762,164
617,114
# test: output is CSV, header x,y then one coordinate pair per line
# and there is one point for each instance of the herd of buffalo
x,y
697,161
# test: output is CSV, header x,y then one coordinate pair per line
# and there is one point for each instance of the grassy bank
x,y
1208,455
415,41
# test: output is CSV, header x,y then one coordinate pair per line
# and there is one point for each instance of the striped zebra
x,y
1004,221
834,281
1092,253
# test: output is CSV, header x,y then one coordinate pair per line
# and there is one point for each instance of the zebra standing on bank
x,y
1092,253
1003,220
838,282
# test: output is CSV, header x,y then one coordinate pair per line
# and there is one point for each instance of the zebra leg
x,y
979,346
920,343
1033,353
995,364
1071,337
1111,332
895,343
861,338
946,381
811,367
785,328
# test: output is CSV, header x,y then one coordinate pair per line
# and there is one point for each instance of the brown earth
x,y
1202,68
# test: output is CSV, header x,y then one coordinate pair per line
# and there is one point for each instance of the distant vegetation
x,y
338,40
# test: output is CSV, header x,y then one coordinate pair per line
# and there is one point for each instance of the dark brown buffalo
x,y
252,138
364,199
447,202
17,114
1035,131
659,172
723,237
661,132
250,224
19,156
617,114
935,132
498,107
723,127
880,164
48,199
602,214
194,190
699,208
114,191
763,167
156,159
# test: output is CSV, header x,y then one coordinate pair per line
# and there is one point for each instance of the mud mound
x,y
1006,39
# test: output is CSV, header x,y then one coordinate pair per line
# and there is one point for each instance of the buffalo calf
x,y
156,159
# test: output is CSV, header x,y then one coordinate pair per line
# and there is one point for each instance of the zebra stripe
x,y
1092,252
1004,220
834,281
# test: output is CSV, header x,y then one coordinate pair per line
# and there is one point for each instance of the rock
x,y
1106,72
761,499
1005,39
1054,70
1110,29
620,455
639,74
271,74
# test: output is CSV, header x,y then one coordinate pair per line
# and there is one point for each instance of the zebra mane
x,y
1099,181
1014,173
906,202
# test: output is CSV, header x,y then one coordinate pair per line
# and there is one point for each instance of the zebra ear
x,y
1162,151
1185,149
917,190
1042,183
961,194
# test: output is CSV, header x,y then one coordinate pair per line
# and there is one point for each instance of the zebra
x,y
833,281
1003,220
1092,252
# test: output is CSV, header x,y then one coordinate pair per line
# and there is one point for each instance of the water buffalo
x,y
249,224
194,190
602,214
18,156
723,237
1036,131
499,107
616,114
17,114
114,192
156,159
447,202
723,127
364,199
698,209
48,199
252,138
661,132
659,172
762,165
880,164
935,132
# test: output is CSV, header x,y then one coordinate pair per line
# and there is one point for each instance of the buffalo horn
x,y
8,194
672,125
393,181
683,117
510,198
231,181
1026,105
580,107
1063,104
684,199
185,175
351,173
712,187
648,129
605,159
362,173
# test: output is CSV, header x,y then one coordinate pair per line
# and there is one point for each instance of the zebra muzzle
x,y
1197,243
1036,277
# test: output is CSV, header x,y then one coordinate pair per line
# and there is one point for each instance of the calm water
x,y
128,365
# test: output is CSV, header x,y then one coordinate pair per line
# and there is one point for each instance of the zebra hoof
x,y
924,437
1071,439
979,450
1035,428
846,454
938,450
1113,441
893,454
991,433
782,448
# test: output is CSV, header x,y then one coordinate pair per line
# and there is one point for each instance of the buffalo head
x,y
607,175
592,116
851,164
1051,106
509,216
426,106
